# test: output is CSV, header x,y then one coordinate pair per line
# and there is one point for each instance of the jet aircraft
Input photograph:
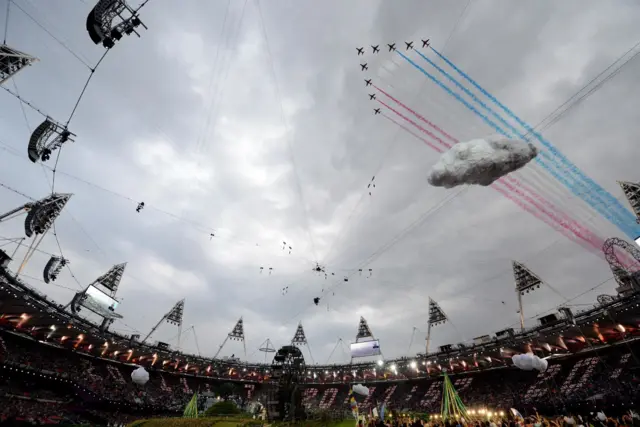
x,y
425,43
409,45
376,111
360,50
392,46
376,48
372,96
364,66
368,82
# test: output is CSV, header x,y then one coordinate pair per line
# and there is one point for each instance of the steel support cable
x,y
197,225
60,42
285,122
397,238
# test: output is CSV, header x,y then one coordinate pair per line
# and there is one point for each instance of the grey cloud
x,y
460,255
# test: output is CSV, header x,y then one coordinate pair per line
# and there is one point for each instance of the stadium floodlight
x,y
526,281
101,25
46,138
436,317
631,192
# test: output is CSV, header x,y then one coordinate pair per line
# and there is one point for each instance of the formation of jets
x,y
376,49
392,46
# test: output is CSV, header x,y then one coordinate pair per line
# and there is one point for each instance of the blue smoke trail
x,y
498,129
600,205
608,197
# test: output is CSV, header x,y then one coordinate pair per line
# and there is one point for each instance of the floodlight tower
x,y
41,215
299,338
632,193
12,61
526,281
436,317
101,26
174,317
236,334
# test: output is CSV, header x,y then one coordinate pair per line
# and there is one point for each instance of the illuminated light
x,y
52,327
414,364
502,413
380,362
326,372
621,328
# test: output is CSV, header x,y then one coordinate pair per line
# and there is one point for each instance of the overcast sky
x,y
190,119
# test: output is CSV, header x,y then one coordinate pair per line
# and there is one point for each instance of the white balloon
x,y
140,376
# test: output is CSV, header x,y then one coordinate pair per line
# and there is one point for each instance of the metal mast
x,y
173,316
236,334
526,281
436,317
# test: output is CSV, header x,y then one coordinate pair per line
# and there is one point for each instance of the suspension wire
x,y
6,22
93,70
572,101
20,193
24,113
288,132
43,28
390,146
24,101
388,245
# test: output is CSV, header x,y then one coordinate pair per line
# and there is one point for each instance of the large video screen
x,y
100,303
365,348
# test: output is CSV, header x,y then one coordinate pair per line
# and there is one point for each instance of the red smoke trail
x,y
512,184
454,140
596,240
553,221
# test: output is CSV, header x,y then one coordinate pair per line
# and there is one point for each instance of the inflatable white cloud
x,y
140,376
529,362
480,161
360,389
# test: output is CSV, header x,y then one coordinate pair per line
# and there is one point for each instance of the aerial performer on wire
x,y
480,161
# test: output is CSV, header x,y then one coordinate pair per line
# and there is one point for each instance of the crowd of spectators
x,y
46,384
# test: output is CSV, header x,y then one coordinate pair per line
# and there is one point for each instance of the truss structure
x,y
236,334
632,193
12,61
101,23
41,215
364,334
436,317
111,279
174,317
267,347
46,138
